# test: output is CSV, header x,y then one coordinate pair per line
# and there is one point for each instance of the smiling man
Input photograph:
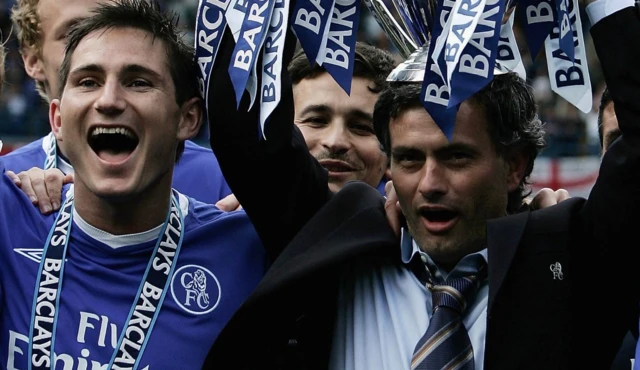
x,y
338,128
131,272
41,29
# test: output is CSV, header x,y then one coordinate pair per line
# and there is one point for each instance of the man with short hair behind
x,y
41,27
129,272
338,128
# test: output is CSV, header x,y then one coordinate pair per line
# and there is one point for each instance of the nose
x,y
111,100
335,138
433,182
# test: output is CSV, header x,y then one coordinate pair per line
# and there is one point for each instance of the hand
x,y
43,187
392,208
229,203
547,197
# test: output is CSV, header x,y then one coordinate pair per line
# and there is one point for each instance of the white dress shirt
x,y
383,310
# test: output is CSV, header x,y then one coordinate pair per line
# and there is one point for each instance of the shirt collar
x,y
410,250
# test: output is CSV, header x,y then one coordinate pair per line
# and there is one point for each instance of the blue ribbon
x,y
245,53
477,61
435,91
418,21
564,8
403,9
210,25
539,18
271,87
309,21
339,53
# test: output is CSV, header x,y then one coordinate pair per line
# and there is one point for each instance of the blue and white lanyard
x,y
143,313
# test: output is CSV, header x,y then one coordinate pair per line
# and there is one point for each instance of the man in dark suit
x,y
560,282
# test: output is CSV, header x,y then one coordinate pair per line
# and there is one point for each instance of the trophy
x,y
422,27
412,35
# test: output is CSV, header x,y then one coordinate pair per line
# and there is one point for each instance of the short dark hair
x,y
370,62
605,100
147,16
510,110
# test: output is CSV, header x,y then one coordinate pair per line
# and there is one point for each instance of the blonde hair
x,y
3,54
26,23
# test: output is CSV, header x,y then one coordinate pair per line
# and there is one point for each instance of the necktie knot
x,y
455,292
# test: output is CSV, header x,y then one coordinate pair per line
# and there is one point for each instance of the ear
x,y
387,173
190,119
33,64
55,120
516,162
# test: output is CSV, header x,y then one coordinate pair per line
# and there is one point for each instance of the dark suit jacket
x,y
535,320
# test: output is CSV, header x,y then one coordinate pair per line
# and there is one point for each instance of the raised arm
x,y
614,200
277,181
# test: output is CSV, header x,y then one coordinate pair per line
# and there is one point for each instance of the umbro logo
x,y
34,254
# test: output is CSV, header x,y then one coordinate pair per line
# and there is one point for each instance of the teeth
x,y
113,130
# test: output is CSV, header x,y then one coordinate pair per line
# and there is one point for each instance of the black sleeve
x,y
612,207
277,181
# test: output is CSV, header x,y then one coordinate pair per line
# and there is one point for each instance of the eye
x,y
140,83
407,160
459,158
363,129
316,121
87,82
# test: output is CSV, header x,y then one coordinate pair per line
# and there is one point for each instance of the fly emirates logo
x,y
17,356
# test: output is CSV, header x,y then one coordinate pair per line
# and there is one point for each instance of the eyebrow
x,y
404,150
317,108
323,108
127,69
456,146
449,148
357,113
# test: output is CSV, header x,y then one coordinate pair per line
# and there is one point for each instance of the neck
x,y
135,213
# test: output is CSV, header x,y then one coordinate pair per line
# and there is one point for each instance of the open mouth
x,y
113,144
438,215
336,166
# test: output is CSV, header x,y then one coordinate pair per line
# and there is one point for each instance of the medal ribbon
x,y
143,313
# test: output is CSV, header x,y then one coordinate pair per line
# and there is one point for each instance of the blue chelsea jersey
x,y
188,176
220,263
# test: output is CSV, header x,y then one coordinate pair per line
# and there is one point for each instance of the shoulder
x,y
558,217
205,215
195,156
25,157
15,208
191,147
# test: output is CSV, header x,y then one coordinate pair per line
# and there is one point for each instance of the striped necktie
x,y
446,343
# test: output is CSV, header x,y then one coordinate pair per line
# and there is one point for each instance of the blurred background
x,y
571,161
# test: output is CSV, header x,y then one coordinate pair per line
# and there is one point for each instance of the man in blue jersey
x,y
129,274
41,26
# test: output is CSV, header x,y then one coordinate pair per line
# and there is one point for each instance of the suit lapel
x,y
503,237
